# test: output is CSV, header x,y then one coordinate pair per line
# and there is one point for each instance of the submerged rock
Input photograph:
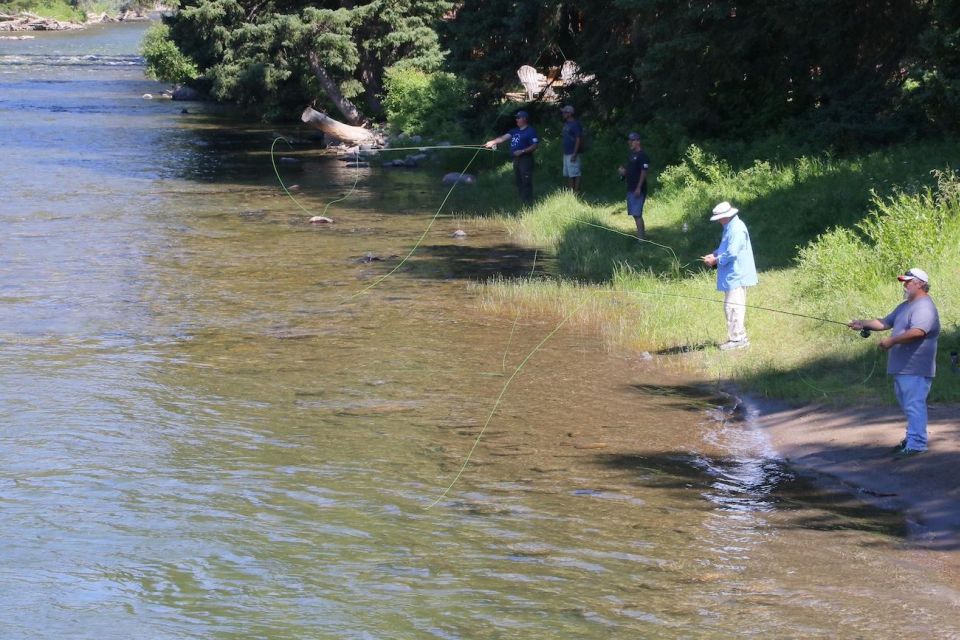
x,y
183,93
459,178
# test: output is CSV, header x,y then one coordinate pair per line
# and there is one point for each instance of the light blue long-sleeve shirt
x,y
735,267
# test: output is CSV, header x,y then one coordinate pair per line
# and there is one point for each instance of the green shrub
x,y
901,231
55,9
420,103
165,62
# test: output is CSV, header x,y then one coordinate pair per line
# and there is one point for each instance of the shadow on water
x,y
828,486
465,262
805,506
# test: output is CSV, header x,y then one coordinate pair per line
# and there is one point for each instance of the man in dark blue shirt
x,y
572,137
523,143
635,173
638,163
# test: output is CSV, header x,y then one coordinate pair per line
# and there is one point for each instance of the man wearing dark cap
x,y
523,143
913,354
635,174
572,138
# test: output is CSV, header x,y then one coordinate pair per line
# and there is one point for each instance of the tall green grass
x,y
829,236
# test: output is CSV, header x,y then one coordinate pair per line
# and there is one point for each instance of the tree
x,y
712,67
276,54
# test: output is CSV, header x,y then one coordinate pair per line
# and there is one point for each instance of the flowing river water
x,y
205,434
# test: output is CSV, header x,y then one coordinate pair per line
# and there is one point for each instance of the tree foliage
x,y
713,67
276,54
846,72
164,61
418,103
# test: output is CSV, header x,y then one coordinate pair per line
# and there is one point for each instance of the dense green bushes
x,y
165,62
420,103
902,230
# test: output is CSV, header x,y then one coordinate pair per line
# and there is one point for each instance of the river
x,y
210,429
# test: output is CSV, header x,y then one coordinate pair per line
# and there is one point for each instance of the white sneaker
x,y
735,344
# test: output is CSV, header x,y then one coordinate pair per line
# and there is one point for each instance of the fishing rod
x,y
738,304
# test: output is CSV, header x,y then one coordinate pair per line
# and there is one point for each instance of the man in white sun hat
x,y
913,354
735,272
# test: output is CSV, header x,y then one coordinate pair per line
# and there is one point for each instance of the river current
x,y
206,433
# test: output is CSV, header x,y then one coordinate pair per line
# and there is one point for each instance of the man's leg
x,y
635,209
912,392
574,173
517,177
735,311
524,166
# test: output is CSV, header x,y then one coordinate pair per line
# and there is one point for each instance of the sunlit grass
x,y
645,297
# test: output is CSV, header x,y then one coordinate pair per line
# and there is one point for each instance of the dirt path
x,y
853,446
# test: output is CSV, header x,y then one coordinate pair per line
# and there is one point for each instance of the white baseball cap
x,y
914,274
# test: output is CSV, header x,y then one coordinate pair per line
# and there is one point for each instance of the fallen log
x,y
339,130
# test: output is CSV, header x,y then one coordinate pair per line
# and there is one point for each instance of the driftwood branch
x,y
340,130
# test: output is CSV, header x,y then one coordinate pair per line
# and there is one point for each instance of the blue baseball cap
x,y
523,114
633,135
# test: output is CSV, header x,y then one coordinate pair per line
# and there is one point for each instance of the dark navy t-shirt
x,y
571,131
638,161
523,138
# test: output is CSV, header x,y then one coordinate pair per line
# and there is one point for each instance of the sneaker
x,y
906,453
735,344
900,446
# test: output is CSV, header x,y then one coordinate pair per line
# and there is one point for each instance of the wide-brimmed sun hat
x,y
914,274
723,210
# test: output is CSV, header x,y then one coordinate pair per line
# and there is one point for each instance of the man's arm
x,y
910,335
530,149
643,178
497,140
875,324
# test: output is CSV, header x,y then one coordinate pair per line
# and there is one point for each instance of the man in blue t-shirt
x,y
635,173
572,137
913,354
523,143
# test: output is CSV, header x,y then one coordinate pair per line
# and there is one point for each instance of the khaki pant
x,y
733,306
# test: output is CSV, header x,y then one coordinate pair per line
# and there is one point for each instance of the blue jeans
x,y
912,395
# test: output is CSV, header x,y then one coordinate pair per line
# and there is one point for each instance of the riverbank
x,y
62,19
829,236
850,449
32,22
853,446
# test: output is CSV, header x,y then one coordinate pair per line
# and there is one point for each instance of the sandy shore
x,y
853,447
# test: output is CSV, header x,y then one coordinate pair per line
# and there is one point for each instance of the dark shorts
x,y
635,204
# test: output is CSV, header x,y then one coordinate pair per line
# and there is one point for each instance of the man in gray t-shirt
x,y
913,354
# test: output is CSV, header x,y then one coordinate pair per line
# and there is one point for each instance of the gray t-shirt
x,y
917,358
